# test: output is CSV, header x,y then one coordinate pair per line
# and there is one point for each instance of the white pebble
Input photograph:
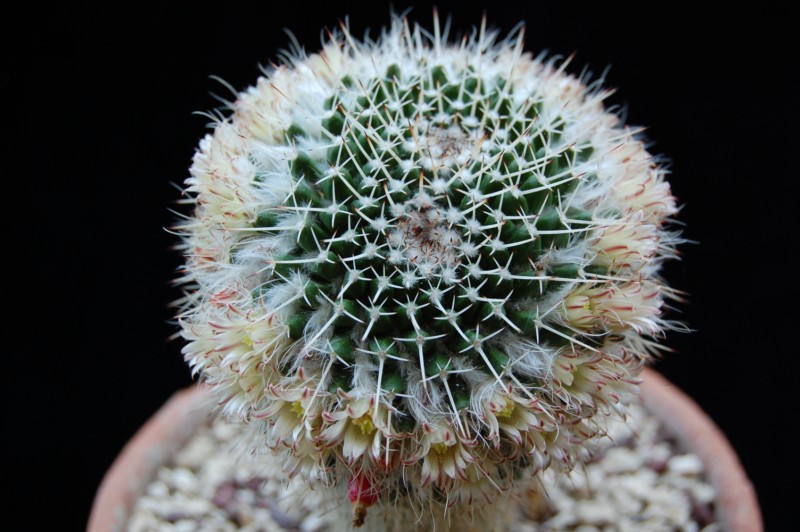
x,y
157,489
660,452
622,499
185,525
195,507
561,521
668,506
247,497
638,483
704,493
620,460
158,507
595,513
142,522
183,480
687,464
196,451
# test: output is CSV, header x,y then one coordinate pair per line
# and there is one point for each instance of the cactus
x,y
422,271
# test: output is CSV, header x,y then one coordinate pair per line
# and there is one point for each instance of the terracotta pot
x,y
159,439
737,505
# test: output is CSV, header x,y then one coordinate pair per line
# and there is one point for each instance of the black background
x,y
98,122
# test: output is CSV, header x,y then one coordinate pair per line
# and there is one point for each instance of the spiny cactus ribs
x,y
422,267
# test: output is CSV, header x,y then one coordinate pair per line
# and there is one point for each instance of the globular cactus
x,y
424,271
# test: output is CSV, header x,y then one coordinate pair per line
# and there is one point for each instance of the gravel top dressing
x,y
637,481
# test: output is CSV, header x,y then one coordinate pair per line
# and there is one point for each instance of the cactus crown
x,y
424,267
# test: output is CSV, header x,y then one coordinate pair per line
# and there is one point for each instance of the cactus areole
x,y
424,271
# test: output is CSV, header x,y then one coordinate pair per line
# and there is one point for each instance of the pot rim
x,y
150,448
163,434
737,504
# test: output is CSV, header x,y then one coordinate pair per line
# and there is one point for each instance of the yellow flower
x,y
615,307
356,428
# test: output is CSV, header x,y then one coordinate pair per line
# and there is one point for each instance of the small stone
x,y
623,500
702,513
657,465
687,464
158,507
247,497
590,477
703,493
626,524
253,483
620,460
660,451
638,483
185,525
595,513
183,480
196,451
667,505
225,494
157,489
143,522
262,520
561,521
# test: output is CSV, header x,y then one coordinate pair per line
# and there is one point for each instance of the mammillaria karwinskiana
x,y
424,271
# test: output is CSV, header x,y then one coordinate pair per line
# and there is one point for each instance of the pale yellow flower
x,y
444,455
614,307
356,428
234,351
631,243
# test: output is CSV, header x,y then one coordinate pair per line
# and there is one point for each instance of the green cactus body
x,y
432,268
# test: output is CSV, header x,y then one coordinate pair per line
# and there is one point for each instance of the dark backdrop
x,y
97,111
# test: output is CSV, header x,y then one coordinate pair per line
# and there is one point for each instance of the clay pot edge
x,y
150,448
738,505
